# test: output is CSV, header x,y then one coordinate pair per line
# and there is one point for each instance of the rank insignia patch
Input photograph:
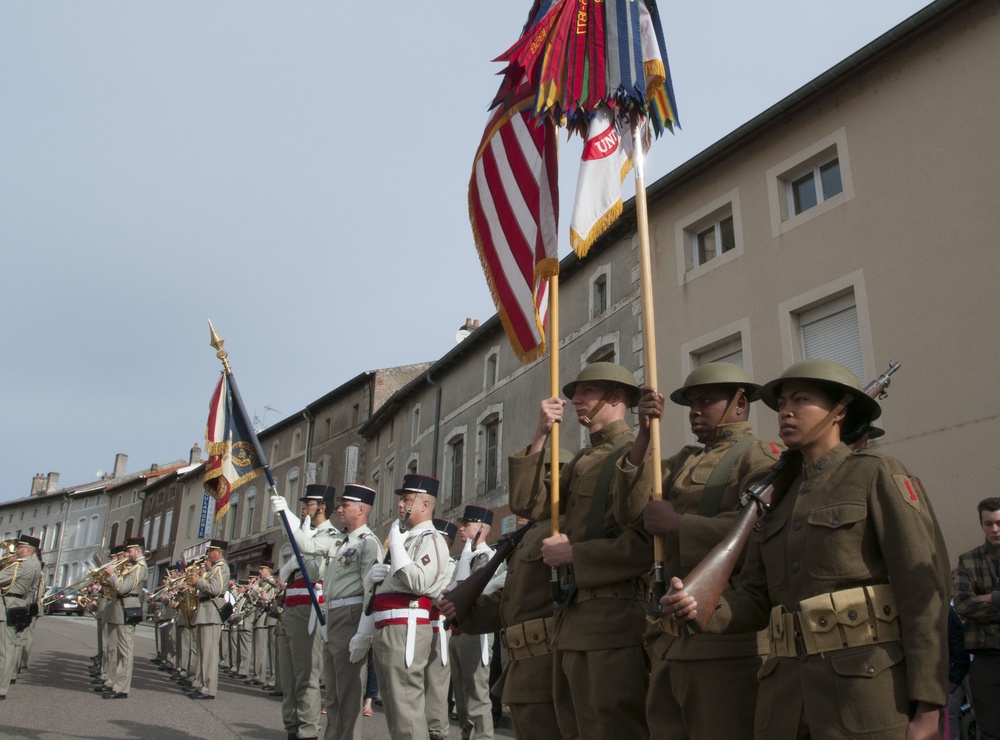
x,y
908,488
425,559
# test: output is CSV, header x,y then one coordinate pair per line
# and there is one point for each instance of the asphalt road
x,y
53,698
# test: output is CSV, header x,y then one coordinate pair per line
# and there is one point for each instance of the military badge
x,y
425,559
908,488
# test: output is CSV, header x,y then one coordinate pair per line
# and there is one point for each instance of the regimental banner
x,y
205,523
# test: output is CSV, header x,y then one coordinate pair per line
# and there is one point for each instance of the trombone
x,y
95,575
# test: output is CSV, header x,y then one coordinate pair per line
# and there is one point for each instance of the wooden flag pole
x,y
554,393
648,338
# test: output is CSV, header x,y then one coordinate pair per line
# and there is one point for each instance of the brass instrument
x,y
187,598
8,549
95,575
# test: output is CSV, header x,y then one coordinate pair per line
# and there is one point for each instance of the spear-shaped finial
x,y
217,342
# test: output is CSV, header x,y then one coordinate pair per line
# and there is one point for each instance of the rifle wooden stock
x,y
709,578
465,594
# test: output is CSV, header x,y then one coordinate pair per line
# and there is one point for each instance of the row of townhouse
x,y
857,219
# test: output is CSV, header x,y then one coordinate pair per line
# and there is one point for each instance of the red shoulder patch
x,y
907,488
774,449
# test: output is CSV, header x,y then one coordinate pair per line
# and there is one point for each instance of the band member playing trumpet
x,y
18,580
210,587
125,612
107,635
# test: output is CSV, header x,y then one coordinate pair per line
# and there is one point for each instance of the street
x,y
53,698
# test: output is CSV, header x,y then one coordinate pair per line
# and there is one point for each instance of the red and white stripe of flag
x,y
514,210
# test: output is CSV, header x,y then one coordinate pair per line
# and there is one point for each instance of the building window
x,y
830,322
831,332
351,464
129,525
456,470
168,524
145,530
712,241
389,485
193,522
489,452
709,237
604,353
490,370
415,432
154,541
234,517
81,533
274,451
56,536
292,489
296,441
251,505
819,184
810,183
43,535
599,295
392,426
730,351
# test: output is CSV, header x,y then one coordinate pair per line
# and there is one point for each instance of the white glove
x,y
464,569
362,639
306,524
286,570
278,505
376,574
400,557
496,583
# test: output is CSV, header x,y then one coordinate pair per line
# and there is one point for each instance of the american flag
x,y
514,210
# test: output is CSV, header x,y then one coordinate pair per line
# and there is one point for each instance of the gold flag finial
x,y
217,342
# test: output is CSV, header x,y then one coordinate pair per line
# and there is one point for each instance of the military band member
x,y
211,589
301,651
107,632
404,588
701,492
18,582
849,573
244,638
229,654
599,674
469,654
437,676
263,626
24,639
349,556
125,612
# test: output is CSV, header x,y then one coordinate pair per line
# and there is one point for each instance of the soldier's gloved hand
x,y
286,570
376,574
400,557
464,569
496,583
362,639
278,505
306,524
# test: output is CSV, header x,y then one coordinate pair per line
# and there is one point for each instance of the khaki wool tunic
x,y
850,519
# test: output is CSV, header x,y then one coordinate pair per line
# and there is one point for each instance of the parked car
x,y
66,604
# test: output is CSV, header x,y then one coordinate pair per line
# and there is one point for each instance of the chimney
x,y
51,482
121,460
38,484
195,457
154,467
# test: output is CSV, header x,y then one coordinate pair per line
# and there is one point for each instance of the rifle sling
x,y
598,504
711,497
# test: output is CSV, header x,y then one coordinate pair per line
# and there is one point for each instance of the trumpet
x,y
8,548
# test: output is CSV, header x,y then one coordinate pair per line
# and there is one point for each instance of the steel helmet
x,y
716,373
607,372
825,371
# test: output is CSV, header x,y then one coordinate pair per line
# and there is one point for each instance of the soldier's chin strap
x,y
732,405
589,418
825,421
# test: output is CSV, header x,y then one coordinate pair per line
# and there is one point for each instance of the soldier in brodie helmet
x,y
849,575
599,674
701,489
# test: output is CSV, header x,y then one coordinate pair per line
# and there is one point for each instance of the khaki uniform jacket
x,y
977,576
853,519
429,571
526,595
128,587
610,570
347,557
684,478
212,588
18,584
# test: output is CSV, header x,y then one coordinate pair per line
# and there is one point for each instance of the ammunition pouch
x,y
132,614
225,611
835,621
528,639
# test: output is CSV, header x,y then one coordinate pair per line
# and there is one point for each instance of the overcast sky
x,y
295,172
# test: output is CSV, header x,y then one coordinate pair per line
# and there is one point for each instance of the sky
x,y
298,174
